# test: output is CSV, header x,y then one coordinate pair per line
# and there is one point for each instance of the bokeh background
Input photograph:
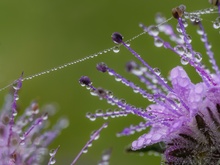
x,y
38,35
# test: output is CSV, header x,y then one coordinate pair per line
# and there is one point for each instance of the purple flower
x,y
24,140
184,116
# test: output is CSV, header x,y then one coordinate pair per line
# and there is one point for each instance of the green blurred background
x,y
38,35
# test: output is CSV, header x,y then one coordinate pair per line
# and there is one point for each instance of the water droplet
x,y
52,152
153,30
109,112
123,101
216,25
179,49
15,86
22,143
186,15
198,57
92,117
14,113
197,19
158,42
207,10
110,94
88,114
116,49
94,135
151,98
118,78
184,60
85,150
128,43
99,112
52,161
217,19
185,24
157,71
189,38
192,17
200,31
16,97
45,116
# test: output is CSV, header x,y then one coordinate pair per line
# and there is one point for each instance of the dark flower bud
x,y
84,80
130,66
117,38
102,67
178,12
101,92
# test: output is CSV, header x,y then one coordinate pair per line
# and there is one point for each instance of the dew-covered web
x,y
116,49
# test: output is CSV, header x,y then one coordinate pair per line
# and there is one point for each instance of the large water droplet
x,y
92,117
153,30
216,25
99,112
158,42
200,31
116,49
179,49
184,60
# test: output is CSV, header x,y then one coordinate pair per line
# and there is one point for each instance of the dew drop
x,y
216,25
157,71
197,19
15,86
14,113
85,150
88,114
52,152
150,98
217,19
22,143
128,43
94,135
92,117
99,112
185,24
192,18
178,28
116,49
158,42
184,60
45,116
153,30
110,94
198,57
179,49
52,161
189,38
109,112
200,32
118,79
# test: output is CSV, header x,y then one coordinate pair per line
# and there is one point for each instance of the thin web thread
x,y
105,51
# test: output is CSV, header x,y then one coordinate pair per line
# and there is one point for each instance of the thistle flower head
x,y
24,140
184,116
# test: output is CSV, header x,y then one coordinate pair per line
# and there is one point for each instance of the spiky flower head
x,y
23,138
184,116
